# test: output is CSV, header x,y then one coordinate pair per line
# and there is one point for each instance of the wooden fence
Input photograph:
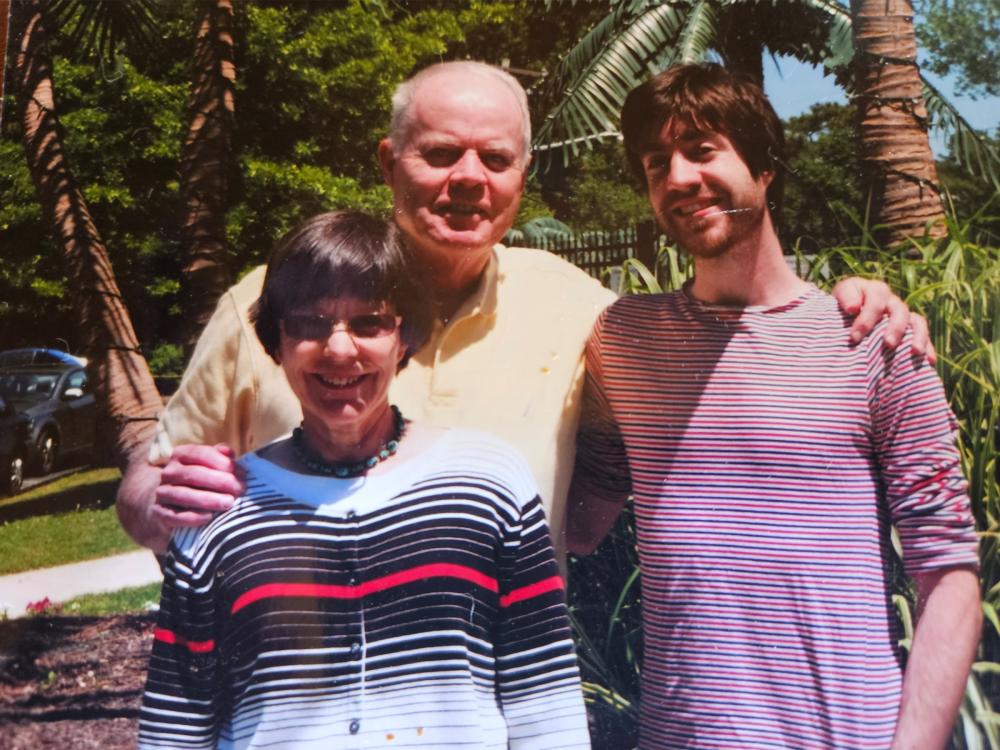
x,y
596,251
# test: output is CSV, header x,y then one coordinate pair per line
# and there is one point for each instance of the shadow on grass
x,y
93,496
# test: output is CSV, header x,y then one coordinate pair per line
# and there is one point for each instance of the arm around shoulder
x,y
218,388
134,504
153,500
196,483
871,300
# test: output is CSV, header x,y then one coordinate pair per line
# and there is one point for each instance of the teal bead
x,y
321,466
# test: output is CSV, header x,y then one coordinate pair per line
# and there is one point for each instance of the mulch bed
x,y
72,682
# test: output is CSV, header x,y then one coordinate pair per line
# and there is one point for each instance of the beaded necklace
x,y
344,470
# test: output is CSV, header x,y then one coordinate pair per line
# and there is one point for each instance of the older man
x,y
505,354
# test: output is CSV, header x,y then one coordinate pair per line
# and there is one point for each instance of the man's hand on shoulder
x,y
196,483
872,300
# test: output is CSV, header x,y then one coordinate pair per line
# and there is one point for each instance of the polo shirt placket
x,y
471,321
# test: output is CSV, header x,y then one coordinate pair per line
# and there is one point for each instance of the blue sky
x,y
793,87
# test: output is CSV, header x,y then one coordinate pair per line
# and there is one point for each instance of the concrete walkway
x,y
65,582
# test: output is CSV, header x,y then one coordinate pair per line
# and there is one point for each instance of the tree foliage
x,y
634,38
596,191
825,205
312,95
824,201
962,37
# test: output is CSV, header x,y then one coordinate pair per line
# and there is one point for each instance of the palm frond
x,y
697,35
637,37
969,147
99,25
832,46
586,49
592,81
840,36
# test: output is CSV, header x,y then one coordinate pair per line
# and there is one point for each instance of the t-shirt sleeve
x,y
216,395
601,461
920,466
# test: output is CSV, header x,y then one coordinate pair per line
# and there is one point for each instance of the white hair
x,y
402,98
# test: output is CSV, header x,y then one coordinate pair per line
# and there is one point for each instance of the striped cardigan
x,y
417,608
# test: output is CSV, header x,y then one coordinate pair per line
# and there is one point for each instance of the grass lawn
x,y
68,520
126,601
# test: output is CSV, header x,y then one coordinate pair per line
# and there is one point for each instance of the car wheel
x,y
46,452
13,474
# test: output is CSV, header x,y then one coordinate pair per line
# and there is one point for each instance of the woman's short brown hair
x,y
342,254
708,97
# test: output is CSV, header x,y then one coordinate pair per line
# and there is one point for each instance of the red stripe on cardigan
x,y
332,591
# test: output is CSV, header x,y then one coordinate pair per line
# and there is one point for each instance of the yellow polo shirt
x,y
509,362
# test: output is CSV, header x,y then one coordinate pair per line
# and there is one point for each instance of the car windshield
x,y
27,385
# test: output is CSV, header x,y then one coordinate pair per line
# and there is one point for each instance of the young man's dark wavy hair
x,y
342,254
708,97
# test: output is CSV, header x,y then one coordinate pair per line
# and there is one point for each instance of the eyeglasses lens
x,y
319,327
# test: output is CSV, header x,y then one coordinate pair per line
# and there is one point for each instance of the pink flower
x,y
42,606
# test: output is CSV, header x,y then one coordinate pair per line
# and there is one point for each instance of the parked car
x,y
14,436
57,401
38,356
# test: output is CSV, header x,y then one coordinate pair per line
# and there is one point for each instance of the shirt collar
x,y
483,301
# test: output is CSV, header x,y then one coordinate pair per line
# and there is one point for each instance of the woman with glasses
x,y
382,582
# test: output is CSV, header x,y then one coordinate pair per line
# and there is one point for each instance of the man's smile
x,y
700,207
463,209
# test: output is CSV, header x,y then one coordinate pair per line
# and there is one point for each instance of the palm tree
x,y
4,16
640,37
895,150
585,91
203,166
123,384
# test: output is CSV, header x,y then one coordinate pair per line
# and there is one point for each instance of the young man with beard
x,y
769,457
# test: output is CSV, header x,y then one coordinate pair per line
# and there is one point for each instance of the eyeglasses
x,y
320,327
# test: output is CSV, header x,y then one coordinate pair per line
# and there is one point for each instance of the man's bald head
x,y
402,99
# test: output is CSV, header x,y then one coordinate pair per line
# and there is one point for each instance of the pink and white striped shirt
x,y
768,458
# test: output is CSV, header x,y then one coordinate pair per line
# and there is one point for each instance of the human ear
x,y
386,160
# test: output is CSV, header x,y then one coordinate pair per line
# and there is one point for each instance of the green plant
x,y
606,612
167,360
49,682
955,284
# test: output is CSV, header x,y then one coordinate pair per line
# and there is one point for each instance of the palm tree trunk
x,y
4,17
203,167
895,149
123,385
